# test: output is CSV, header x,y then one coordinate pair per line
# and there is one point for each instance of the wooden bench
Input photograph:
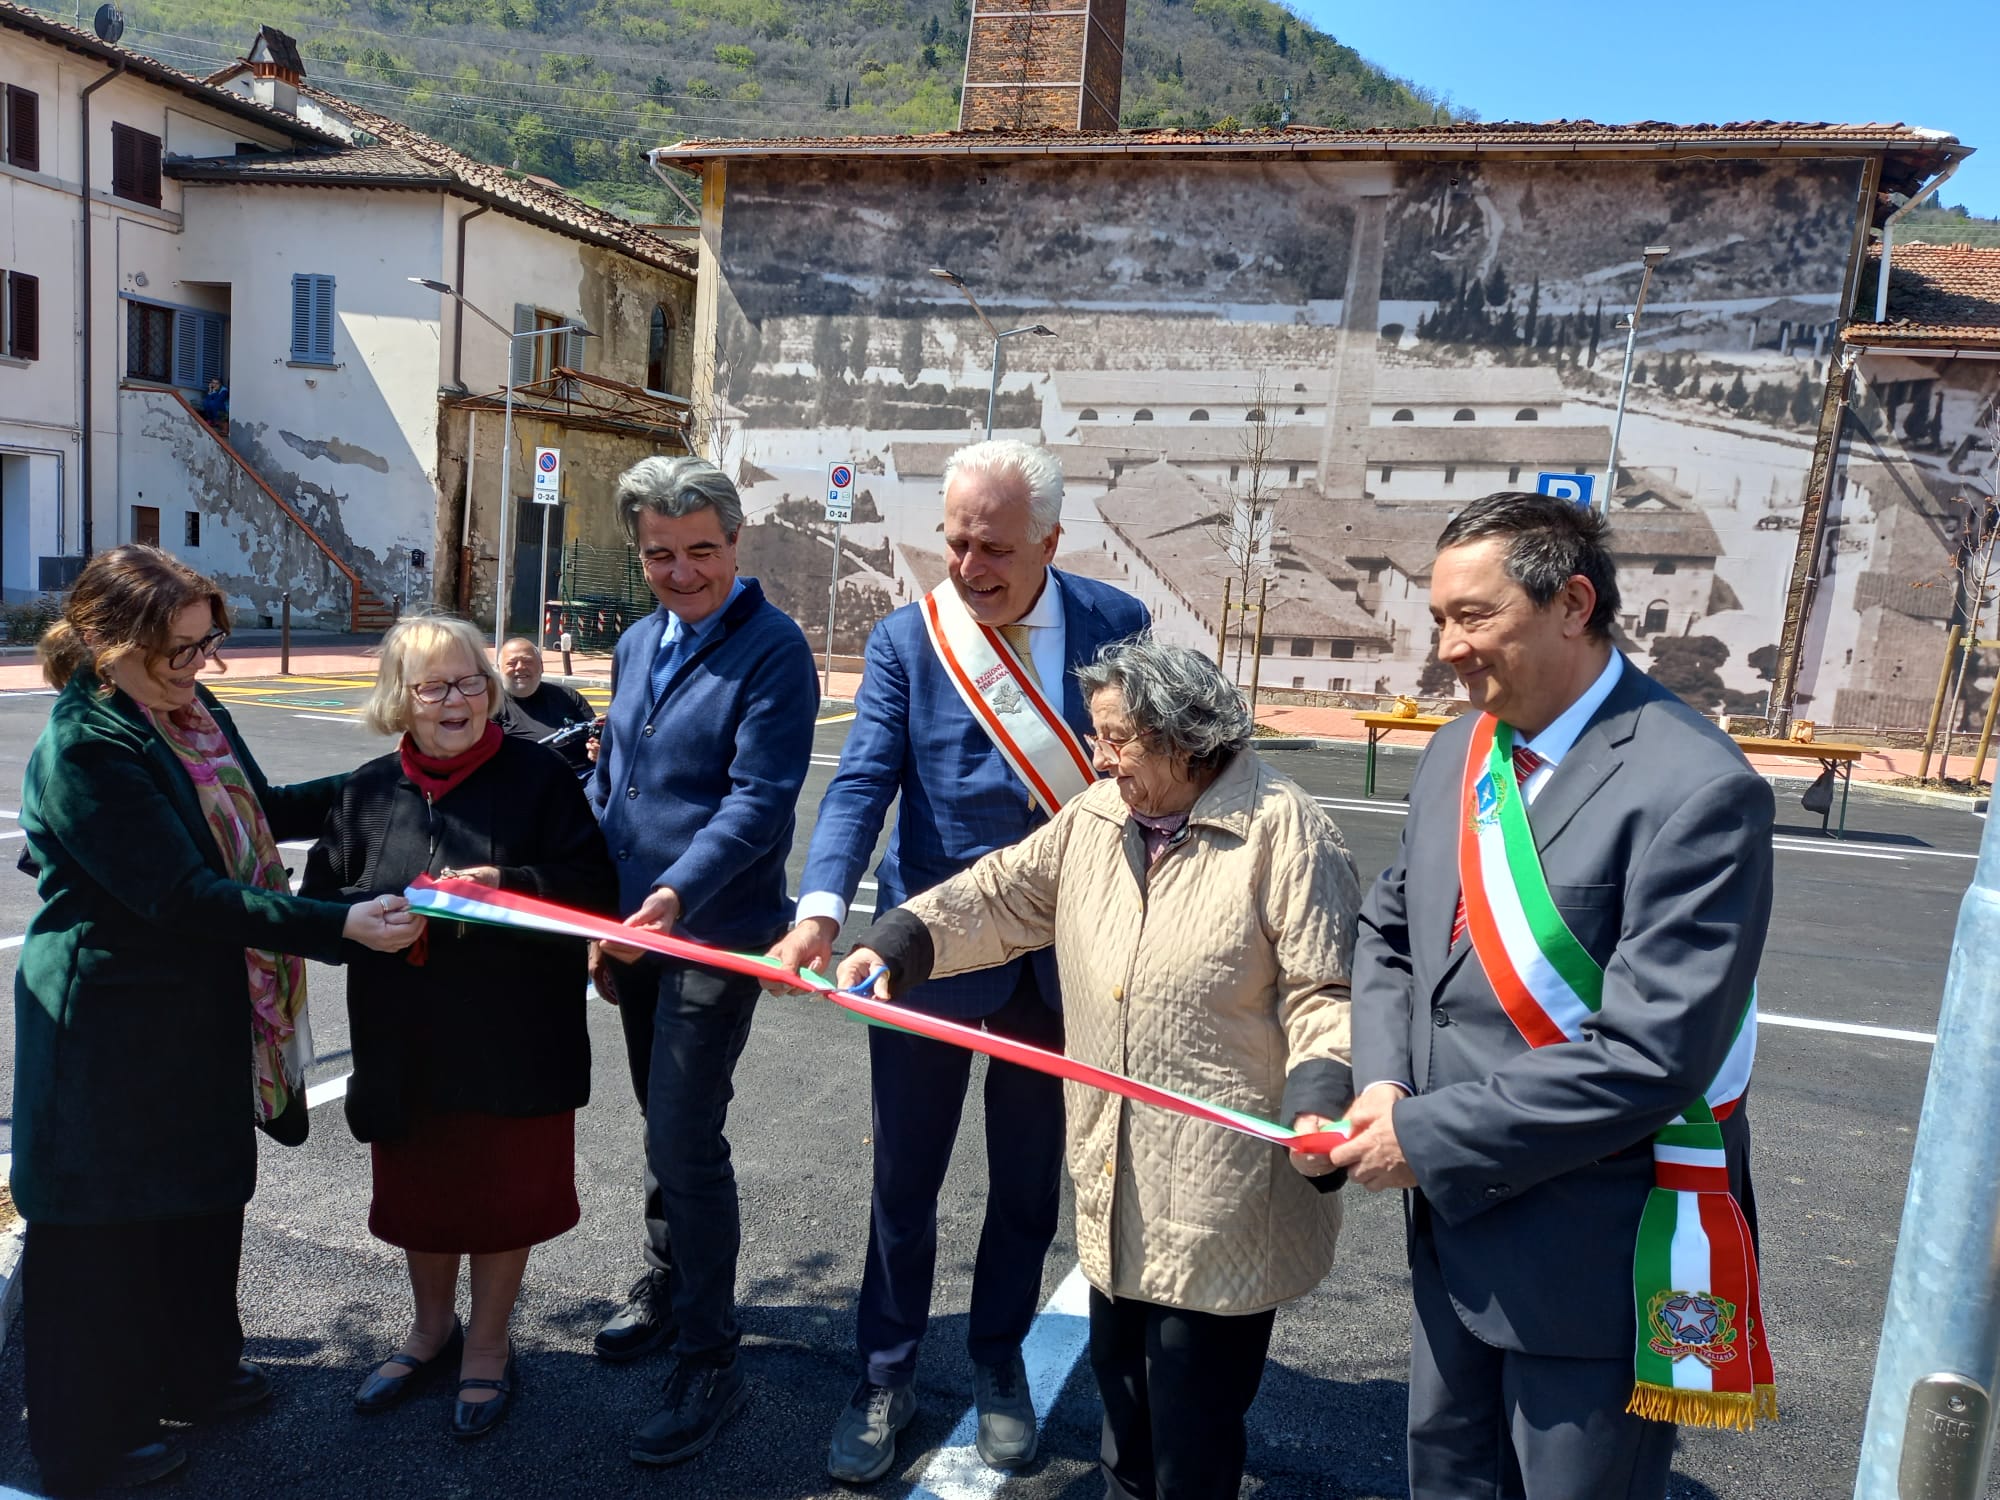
x,y
1380,724
1838,759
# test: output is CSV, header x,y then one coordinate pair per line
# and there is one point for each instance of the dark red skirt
x,y
468,1184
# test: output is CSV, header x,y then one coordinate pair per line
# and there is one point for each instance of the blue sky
x,y
1701,61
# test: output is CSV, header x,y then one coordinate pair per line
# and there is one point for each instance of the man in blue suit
x,y
710,732
916,737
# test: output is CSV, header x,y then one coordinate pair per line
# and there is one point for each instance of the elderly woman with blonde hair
x,y
470,1055
1202,909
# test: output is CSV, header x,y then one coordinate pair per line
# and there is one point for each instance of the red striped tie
x,y
1526,763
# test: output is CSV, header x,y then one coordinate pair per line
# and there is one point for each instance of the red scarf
x,y
435,776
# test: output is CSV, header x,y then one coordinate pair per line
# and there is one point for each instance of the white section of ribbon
x,y
1027,739
1550,990
1689,1259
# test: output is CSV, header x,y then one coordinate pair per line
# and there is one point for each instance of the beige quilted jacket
x,y
1215,974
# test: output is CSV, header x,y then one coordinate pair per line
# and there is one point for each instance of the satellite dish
x,y
109,23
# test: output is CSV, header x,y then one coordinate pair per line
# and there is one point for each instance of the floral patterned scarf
x,y
280,1038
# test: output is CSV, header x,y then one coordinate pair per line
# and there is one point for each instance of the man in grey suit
x,y
1528,1165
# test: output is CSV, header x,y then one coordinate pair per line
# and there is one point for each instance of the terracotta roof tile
x,y
1939,296
394,155
35,23
1554,136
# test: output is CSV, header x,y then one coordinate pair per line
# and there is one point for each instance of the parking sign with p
x,y
1575,488
840,493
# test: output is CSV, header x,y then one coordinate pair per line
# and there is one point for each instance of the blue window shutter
x,y
302,302
522,356
572,351
322,322
187,349
211,350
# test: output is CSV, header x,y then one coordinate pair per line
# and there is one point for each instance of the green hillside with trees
x,y
577,90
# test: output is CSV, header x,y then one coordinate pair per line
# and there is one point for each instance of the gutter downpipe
x,y
1889,234
457,312
84,479
660,171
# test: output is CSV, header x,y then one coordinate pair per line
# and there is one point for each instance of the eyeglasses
x,y
1114,743
436,692
183,657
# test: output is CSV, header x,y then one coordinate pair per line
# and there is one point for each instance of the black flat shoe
x,y
471,1419
379,1392
132,1468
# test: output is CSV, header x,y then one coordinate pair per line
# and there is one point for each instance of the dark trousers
x,y
1496,1424
1176,1385
685,1027
918,1087
124,1324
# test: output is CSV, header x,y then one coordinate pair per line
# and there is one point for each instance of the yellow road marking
x,y
836,718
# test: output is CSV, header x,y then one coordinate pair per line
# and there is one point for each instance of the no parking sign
x,y
840,492
548,476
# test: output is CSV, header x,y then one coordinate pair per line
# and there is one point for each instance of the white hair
x,y
1012,458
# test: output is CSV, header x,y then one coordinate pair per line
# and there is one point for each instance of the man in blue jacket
x,y
706,746
967,710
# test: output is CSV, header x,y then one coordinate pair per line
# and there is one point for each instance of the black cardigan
x,y
493,1020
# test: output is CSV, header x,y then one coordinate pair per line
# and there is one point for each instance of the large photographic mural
x,y
1313,362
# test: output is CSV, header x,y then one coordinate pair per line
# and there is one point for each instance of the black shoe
x,y
136,1466
248,1385
471,1419
645,1322
379,1392
701,1396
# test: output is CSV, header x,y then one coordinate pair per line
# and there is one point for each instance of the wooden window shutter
x,y
122,158
24,129
211,349
302,300
573,351
312,319
149,168
322,319
521,354
24,316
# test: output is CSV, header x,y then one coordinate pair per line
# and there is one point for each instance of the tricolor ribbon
x,y
468,901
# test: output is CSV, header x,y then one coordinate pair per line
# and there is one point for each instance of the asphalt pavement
x,y
1860,940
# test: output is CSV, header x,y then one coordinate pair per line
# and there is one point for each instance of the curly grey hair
x,y
677,487
1172,694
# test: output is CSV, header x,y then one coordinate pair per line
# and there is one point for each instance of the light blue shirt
x,y
1553,743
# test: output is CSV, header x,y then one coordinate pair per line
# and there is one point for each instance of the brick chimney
x,y
1043,65
276,70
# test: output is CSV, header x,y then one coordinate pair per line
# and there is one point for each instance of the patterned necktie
x,y
1526,763
1017,637
671,651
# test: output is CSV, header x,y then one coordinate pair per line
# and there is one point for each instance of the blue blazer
x,y
914,737
697,788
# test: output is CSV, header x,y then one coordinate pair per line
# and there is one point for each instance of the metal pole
x,y
1937,703
506,498
542,619
832,596
1624,383
1930,1414
285,638
993,387
1222,631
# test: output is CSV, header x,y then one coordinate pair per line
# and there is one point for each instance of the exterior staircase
x,y
367,611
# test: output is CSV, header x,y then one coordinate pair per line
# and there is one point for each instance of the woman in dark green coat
x,y
159,1016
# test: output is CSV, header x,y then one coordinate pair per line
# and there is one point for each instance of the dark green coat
x,y
133,1083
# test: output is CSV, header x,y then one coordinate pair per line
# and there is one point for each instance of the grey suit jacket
x,y
1533,1164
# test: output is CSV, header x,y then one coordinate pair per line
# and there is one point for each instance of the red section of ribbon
x,y
883,1013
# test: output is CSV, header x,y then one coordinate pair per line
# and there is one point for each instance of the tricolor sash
x,y
1702,1356
1044,752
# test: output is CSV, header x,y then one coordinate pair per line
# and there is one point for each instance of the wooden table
x,y
1838,759
1379,724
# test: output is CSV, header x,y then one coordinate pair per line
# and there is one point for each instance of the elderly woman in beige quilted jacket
x,y
1202,908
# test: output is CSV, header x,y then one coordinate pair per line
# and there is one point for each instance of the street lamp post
x,y
445,289
1652,255
993,386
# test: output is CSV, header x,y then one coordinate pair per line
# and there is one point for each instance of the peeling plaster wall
x,y
170,461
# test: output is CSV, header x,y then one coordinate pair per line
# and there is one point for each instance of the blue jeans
x,y
685,1027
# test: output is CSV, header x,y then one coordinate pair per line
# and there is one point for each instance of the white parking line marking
x,y
326,719
12,942
1785,841
322,1093
1848,1028
1054,1344
1349,804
